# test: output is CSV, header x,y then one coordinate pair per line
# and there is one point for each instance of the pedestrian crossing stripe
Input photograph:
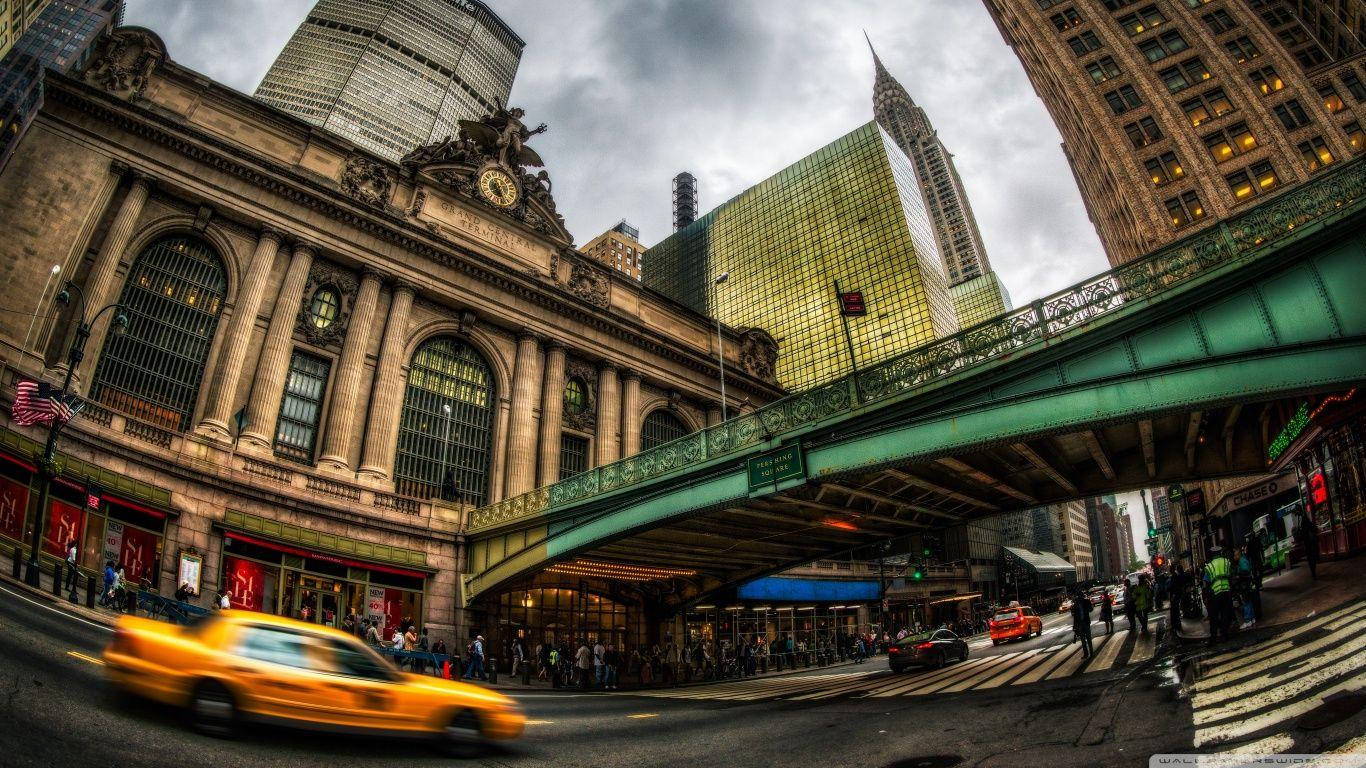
x,y
976,674
1260,690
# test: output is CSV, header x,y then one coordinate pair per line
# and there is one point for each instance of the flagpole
x,y
47,464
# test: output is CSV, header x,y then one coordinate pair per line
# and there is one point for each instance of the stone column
x,y
609,414
630,414
223,384
526,392
346,389
263,406
99,284
552,413
381,431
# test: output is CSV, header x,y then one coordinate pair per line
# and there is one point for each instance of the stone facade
x,y
1140,92
412,252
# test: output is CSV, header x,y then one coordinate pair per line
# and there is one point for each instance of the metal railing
x,y
1216,246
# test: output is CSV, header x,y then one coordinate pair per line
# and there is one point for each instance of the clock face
x,y
498,188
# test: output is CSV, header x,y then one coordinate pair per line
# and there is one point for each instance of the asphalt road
x,y
57,711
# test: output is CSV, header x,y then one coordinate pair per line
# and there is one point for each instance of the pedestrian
x,y
475,668
518,656
583,662
554,658
611,662
224,602
543,662
1176,592
183,592
1143,596
71,565
372,635
599,660
1247,588
1307,536
1081,622
108,593
1220,603
1107,613
1130,605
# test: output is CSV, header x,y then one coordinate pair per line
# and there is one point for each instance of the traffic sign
x,y
776,466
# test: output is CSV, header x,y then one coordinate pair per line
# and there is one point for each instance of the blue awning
x,y
808,590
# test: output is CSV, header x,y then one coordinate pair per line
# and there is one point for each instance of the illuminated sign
x,y
852,304
1292,430
1318,488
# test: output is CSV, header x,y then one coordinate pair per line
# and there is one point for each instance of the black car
x,y
928,649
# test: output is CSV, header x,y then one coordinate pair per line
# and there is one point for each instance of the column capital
x,y
369,272
118,167
630,374
140,179
605,366
553,344
270,232
528,334
400,285
303,244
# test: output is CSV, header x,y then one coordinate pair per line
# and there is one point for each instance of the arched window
x,y
444,434
575,397
660,427
172,298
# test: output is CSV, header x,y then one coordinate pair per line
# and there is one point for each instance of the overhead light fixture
x,y
620,571
843,525
703,607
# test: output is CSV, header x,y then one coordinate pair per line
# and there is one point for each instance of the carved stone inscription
x,y
466,222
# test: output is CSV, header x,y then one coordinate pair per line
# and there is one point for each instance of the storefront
x,y
808,626
108,527
558,612
1324,442
1258,508
260,574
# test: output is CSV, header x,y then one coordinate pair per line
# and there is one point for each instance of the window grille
x,y
444,435
297,431
172,299
660,427
573,455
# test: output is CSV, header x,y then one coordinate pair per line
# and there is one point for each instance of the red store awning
x,y
291,550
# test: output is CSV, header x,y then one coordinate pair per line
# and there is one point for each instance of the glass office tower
x,y
393,75
850,212
979,299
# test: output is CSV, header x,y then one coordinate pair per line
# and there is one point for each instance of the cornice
x,y
310,191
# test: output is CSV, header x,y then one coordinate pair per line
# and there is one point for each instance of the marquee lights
x,y
620,571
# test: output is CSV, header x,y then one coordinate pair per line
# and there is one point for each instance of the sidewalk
x,y
97,614
1291,595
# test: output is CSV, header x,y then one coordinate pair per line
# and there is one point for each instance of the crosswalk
x,y
981,672
1259,691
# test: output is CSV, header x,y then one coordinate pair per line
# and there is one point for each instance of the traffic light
x,y
925,551
1159,561
1152,533
918,573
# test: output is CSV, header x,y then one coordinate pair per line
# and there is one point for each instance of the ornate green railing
x,y
1215,246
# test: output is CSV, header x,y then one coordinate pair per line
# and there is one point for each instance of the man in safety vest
x,y
1220,606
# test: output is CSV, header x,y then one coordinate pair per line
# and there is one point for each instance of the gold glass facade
x,y
979,299
850,212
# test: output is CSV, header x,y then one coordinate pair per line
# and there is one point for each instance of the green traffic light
x,y
925,551
1152,532
917,575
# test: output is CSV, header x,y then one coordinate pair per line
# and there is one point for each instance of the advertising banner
x,y
245,580
113,542
138,555
63,525
13,508
374,605
393,611
190,571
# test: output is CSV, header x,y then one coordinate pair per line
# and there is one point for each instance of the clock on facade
x,y
498,188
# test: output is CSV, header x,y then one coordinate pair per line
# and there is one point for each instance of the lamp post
x,y
46,472
720,342
445,448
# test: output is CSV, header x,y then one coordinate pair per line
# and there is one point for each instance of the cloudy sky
x,y
733,91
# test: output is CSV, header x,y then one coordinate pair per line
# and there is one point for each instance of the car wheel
x,y
994,641
461,736
213,712
898,670
939,661
963,654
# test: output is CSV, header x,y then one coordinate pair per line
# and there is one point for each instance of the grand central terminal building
x,y
329,359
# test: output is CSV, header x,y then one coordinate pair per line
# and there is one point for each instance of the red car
x,y
1010,623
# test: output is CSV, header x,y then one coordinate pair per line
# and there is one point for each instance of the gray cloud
x,y
734,91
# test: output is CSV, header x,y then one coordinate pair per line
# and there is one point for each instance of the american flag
x,y
38,402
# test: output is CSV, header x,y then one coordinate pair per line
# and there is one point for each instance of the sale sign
x,y
13,508
245,580
64,524
374,605
138,554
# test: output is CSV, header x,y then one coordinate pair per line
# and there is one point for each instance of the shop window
x,y
444,433
172,298
1315,153
573,455
1142,20
1242,49
660,427
1226,144
1291,115
1266,80
301,408
1143,132
1184,209
1164,169
1331,100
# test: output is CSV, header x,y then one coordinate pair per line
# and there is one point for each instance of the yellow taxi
x,y
1012,622
238,666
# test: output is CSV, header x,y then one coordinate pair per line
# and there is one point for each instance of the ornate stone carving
x,y
366,180
496,141
124,60
468,320
343,281
589,282
758,354
587,419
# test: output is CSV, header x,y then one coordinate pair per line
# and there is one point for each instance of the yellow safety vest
x,y
1217,571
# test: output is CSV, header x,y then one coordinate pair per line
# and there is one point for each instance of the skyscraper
x,y
960,243
618,248
392,75
58,38
1176,112
15,19
849,212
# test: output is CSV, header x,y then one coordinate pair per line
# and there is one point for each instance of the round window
x,y
323,310
575,396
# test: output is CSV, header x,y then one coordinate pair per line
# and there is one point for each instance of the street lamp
x,y
445,450
74,355
720,343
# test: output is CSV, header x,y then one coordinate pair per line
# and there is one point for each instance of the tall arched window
x,y
444,434
660,427
172,297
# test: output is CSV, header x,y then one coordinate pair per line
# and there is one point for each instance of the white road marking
x,y
1240,728
46,607
1056,660
1108,653
1261,691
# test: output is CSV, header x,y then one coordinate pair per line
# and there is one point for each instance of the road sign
x,y
852,304
776,466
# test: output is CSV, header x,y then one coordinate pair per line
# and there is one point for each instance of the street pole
x,y
445,450
720,342
848,339
75,354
